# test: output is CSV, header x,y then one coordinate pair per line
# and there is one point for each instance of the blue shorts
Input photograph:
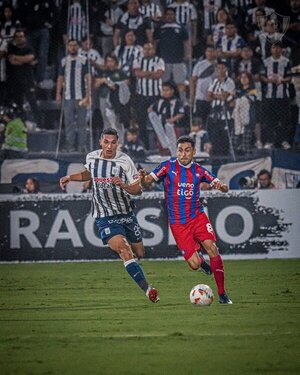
x,y
124,224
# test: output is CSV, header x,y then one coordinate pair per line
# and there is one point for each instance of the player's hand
x,y
64,181
219,185
118,181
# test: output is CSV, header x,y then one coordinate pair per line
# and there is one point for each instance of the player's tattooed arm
x,y
81,176
219,185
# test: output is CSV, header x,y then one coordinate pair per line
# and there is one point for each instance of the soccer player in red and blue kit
x,y
189,224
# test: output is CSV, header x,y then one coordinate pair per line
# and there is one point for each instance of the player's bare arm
x,y
219,185
81,176
145,179
133,189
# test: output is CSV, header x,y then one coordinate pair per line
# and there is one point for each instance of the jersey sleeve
x,y
131,172
160,172
207,176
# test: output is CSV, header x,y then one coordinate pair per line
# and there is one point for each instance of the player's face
x,y
185,153
109,145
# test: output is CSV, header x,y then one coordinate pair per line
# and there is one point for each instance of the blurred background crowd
x,y
224,71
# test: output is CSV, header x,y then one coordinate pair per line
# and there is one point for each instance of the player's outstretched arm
x,y
146,179
81,176
219,185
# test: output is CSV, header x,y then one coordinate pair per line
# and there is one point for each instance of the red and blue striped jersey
x,y
182,188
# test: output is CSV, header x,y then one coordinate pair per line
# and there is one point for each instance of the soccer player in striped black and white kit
x,y
115,179
189,224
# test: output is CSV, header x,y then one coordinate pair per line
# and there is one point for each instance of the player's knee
x,y
124,250
212,250
193,265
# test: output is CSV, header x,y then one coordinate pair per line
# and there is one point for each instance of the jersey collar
x,y
185,166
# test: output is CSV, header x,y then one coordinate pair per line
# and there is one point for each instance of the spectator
x,y
77,25
128,52
247,62
73,92
8,23
3,88
37,17
152,11
259,4
218,29
20,77
15,133
148,71
200,135
275,75
220,125
202,76
186,15
244,113
32,186
294,25
92,56
165,115
133,20
107,26
230,45
174,49
264,180
210,9
108,83
133,146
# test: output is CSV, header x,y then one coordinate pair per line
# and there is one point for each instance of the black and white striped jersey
x,y
278,68
74,70
185,12
109,199
149,86
77,23
220,106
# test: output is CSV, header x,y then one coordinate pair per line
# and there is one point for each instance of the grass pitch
x,y
90,318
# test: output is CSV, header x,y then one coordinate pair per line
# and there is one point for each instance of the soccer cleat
x,y
205,267
152,294
224,299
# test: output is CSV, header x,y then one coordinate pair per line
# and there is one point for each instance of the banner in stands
x,y
248,224
285,167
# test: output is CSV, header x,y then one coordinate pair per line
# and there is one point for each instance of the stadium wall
x,y
248,224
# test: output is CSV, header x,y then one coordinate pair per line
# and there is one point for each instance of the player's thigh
x,y
120,245
184,239
203,229
132,228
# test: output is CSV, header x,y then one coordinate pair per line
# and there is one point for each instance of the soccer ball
x,y
201,295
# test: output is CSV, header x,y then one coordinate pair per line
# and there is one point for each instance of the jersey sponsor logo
x,y
123,220
103,182
185,189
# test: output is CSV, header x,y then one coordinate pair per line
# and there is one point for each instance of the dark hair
x,y
36,184
186,139
250,78
110,131
264,171
169,84
111,55
168,9
132,131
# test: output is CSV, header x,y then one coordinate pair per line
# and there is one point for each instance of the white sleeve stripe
x,y
154,176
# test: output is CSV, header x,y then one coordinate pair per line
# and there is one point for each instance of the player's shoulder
x,y
122,156
95,154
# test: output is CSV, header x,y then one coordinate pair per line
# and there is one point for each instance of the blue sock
x,y
136,273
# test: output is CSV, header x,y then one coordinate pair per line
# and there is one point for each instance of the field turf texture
x,y
91,318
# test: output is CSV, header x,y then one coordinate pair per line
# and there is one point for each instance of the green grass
x,y
90,318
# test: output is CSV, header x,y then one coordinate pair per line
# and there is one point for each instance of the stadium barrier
x,y
248,224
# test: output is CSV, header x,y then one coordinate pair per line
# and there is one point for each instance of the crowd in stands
x,y
224,71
